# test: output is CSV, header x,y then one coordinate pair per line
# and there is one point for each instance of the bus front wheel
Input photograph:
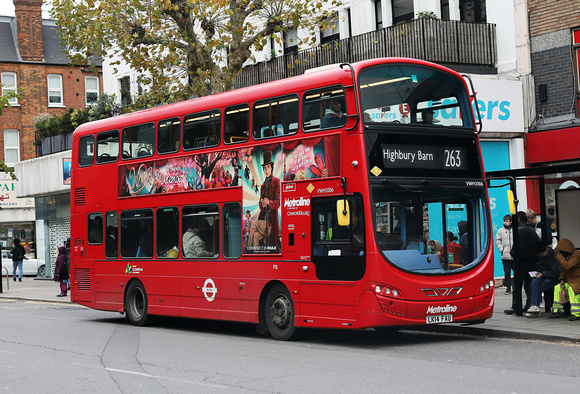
x,y
279,313
136,304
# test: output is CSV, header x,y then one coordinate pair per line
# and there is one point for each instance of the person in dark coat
x,y
546,278
527,259
18,253
61,273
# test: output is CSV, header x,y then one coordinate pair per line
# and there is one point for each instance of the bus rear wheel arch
x,y
279,313
136,303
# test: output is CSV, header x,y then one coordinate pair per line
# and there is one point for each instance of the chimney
x,y
29,29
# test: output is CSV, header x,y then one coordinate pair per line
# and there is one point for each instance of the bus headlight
x,y
385,290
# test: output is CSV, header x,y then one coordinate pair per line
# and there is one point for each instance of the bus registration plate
x,y
439,319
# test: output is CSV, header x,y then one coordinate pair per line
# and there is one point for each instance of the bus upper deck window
x,y
107,146
86,150
324,109
138,141
168,135
275,116
201,129
237,123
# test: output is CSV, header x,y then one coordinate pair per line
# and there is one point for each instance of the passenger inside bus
x,y
193,245
232,134
333,117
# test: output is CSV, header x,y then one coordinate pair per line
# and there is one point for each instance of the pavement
x,y
500,325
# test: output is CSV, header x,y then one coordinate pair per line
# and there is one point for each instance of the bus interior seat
x,y
292,128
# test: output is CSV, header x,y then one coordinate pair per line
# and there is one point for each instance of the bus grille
x,y
80,197
83,278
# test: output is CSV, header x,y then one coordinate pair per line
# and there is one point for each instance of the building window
x,y
9,85
445,10
125,91
330,33
55,90
91,90
11,147
403,11
576,54
472,11
379,14
291,41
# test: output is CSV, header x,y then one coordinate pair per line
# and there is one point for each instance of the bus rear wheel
x,y
279,313
136,304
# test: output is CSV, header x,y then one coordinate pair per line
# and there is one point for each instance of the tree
x,y
5,98
184,48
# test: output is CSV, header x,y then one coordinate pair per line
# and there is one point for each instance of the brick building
x,y
553,142
33,64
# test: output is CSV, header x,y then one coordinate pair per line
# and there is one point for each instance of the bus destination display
x,y
424,156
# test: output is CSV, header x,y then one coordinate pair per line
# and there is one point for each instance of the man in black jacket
x,y
18,253
527,259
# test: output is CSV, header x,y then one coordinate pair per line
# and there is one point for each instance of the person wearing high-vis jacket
x,y
569,280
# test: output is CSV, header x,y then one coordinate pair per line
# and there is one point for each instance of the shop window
x,y
137,233
168,135
168,232
200,231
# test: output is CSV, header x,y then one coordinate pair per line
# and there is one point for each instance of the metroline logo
x,y
294,202
441,309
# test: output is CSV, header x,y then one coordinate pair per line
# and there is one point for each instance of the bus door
x,y
338,254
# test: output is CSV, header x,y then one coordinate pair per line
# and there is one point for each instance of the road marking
x,y
219,386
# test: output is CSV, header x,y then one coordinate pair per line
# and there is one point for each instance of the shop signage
x,y
8,196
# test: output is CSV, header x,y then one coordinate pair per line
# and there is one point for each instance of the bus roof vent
x,y
80,194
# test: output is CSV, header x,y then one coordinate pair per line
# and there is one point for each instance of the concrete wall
x,y
41,176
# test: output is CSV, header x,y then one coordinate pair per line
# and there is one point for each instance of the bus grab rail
x,y
474,95
342,65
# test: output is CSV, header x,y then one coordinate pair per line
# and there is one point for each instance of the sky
x,y
7,8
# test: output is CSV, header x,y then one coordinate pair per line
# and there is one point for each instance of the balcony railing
x,y
444,42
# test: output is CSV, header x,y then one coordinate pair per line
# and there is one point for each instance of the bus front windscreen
x,y
408,94
430,231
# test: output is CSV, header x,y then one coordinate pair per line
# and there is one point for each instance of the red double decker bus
x,y
348,197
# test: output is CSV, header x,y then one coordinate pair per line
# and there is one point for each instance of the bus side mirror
x,y
510,196
343,213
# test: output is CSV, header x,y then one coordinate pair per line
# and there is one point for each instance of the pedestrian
x,y
569,280
526,260
18,253
545,279
504,240
61,273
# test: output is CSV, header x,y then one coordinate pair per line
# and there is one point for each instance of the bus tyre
x,y
136,304
279,313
